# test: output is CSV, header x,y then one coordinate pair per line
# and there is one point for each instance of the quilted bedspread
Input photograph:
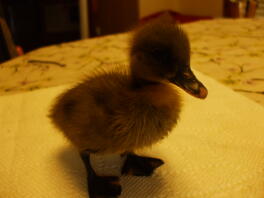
x,y
229,50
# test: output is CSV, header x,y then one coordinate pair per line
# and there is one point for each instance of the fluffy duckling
x,y
121,110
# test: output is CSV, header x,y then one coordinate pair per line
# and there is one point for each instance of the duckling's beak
x,y
189,83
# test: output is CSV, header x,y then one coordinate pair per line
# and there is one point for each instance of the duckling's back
x,y
107,114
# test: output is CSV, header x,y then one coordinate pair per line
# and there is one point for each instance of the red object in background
x,y
180,18
19,50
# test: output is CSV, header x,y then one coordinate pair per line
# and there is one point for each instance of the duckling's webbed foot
x,y
104,187
100,186
140,166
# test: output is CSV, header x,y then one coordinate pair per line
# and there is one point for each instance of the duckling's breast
x,y
146,116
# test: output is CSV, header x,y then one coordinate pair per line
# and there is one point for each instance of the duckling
x,y
125,109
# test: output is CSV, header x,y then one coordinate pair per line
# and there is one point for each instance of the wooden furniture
x,y
7,46
43,22
112,16
240,8
251,8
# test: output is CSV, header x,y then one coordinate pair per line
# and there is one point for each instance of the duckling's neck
x,y
138,82
139,77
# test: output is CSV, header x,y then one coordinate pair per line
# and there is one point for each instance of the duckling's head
x,y
160,51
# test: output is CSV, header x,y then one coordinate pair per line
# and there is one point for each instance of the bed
x,y
220,154
231,51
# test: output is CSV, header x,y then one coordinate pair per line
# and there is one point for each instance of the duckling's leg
x,y
140,166
100,186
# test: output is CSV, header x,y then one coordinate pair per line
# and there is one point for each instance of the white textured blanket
x,y
217,150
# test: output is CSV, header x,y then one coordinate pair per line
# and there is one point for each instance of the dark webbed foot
x,y
140,166
104,187
100,186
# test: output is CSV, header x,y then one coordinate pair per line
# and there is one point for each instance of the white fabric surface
x,y
216,150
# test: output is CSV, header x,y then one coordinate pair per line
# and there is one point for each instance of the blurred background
x,y
30,24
